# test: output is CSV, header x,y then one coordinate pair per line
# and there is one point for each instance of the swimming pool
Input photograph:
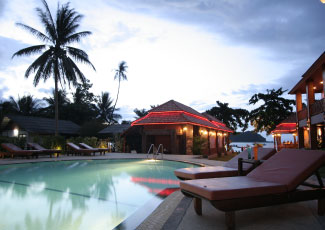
x,y
86,194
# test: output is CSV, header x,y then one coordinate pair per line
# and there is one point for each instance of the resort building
x,y
175,126
287,126
310,118
28,126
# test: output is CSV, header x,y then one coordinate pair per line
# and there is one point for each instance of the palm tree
x,y
120,74
57,58
104,107
25,105
63,101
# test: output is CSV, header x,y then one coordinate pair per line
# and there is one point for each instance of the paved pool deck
x,y
177,212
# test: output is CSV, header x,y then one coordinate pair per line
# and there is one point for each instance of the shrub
x,y
199,144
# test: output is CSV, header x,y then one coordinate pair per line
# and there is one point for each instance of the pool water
x,y
86,194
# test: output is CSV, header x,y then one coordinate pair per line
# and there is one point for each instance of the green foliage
x,y
52,142
18,141
120,74
118,141
273,110
140,113
199,144
57,58
91,128
233,118
92,141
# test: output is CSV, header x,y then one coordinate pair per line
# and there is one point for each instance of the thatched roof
x,y
40,125
115,129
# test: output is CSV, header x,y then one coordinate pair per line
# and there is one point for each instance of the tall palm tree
x,y
104,109
120,74
57,57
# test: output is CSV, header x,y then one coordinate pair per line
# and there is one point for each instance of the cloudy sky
x,y
192,51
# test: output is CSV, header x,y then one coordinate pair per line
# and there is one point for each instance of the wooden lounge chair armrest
x,y
255,163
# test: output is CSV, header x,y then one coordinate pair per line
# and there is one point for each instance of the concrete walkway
x,y
177,212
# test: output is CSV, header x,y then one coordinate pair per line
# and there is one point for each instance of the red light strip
x,y
154,180
289,124
166,113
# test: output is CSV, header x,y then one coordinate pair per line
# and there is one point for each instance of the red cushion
x,y
205,172
231,187
289,166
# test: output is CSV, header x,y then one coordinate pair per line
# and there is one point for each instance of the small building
x,y
175,125
28,126
310,119
287,126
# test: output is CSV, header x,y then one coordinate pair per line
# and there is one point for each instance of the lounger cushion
x,y
231,187
263,154
205,172
289,166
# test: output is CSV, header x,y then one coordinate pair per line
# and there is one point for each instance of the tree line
x,y
83,107
272,110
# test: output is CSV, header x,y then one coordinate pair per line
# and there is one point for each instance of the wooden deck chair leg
x,y
198,206
321,207
230,220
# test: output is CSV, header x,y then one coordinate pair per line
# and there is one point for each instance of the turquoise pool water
x,y
87,194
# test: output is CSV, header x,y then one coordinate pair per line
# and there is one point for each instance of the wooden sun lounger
x,y
43,150
279,180
75,149
228,170
100,150
14,150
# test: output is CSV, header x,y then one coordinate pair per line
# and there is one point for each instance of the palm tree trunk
x,y
56,105
118,91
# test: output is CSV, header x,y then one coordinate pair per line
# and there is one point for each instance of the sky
x,y
193,51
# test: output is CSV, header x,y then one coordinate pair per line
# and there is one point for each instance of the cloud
x,y
2,6
3,90
46,90
7,49
285,28
123,33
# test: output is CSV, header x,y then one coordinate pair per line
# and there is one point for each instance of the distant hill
x,y
248,136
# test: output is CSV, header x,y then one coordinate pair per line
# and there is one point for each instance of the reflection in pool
x,y
93,194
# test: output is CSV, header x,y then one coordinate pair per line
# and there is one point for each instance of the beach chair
x,y
43,150
75,149
14,151
228,170
276,181
100,150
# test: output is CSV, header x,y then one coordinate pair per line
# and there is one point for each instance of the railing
x,y
155,154
302,114
152,146
162,151
317,107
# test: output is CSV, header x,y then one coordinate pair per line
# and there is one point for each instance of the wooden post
x,y
198,206
230,220
321,207
310,101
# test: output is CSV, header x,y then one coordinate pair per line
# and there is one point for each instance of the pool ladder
x,y
155,155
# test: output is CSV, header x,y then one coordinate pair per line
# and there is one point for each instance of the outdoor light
x,y
322,1
321,82
205,132
185,128
16,131
315,86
